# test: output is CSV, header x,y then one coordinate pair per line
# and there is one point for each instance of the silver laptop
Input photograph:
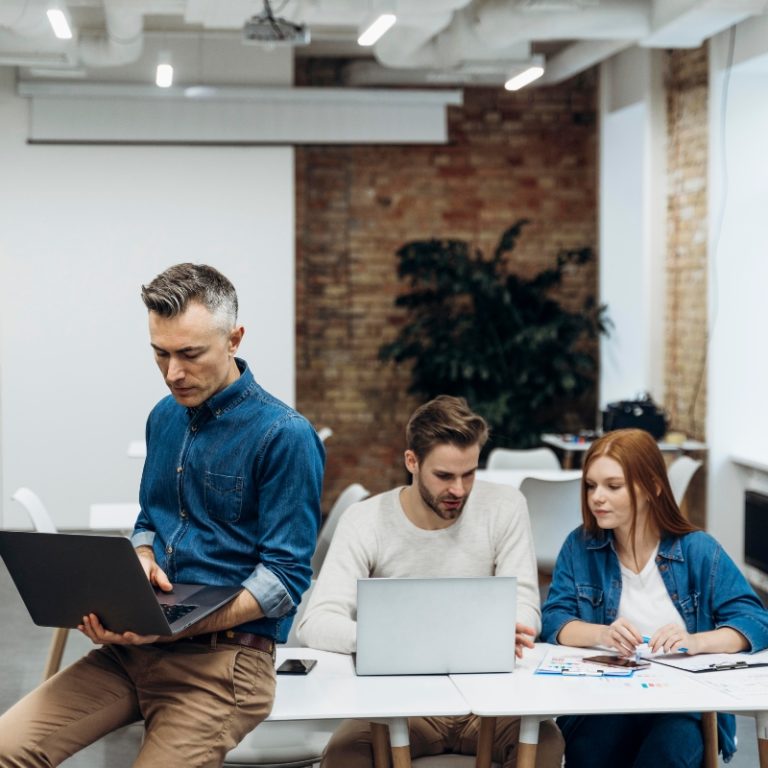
x,y
436,626
62,577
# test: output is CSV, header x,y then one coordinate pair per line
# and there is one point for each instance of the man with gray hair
x,y
229,496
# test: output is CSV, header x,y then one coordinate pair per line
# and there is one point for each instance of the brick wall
x,y
687,120
509,156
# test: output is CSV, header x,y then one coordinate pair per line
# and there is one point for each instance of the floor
x,y
24,649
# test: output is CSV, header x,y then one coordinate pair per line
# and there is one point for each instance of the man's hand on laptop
x,y
155,573
523,639
93,629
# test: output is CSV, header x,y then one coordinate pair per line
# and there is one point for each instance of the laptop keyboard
x,y
175,612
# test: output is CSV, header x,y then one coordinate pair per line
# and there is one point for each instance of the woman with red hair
x,y
637,567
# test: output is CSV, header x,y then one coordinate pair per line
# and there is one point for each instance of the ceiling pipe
x,y
122,42
579,57
498,24
27,19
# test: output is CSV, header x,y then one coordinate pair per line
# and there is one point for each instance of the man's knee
x,y
350,746
549,753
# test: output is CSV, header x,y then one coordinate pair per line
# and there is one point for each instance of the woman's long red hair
x,y
644,471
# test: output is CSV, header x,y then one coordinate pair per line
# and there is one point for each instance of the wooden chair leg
x,y
380,743
55,652
762,751
485,742
709,732
526,755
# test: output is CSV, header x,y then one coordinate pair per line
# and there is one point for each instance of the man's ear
x,y
411,462
235,337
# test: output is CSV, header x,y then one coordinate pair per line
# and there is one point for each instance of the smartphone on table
x,y
617,661
296,666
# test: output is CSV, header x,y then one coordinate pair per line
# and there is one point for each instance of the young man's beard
x,y
434,502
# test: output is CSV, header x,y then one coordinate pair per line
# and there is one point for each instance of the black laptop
x,y
61,577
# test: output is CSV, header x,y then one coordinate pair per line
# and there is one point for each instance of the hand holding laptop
x,y
92,627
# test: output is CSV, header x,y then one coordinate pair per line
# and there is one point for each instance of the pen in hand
x,y
647,640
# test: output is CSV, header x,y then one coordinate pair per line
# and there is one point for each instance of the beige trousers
x,y
350,745
197,703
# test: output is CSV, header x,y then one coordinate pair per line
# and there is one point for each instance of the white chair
x,y
554,507
351,494
533,458
43,523
680,473
285,743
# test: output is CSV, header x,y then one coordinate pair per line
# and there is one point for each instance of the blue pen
x,y
647,640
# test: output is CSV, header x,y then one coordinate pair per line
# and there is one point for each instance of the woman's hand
x,y
621,636
672,638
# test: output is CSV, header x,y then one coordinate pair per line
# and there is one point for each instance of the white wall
x,y
632,224
81,227
738,363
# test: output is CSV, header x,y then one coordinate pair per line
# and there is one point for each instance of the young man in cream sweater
x,y
443,524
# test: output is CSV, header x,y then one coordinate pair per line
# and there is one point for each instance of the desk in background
x,y
573,449
657,689
113,517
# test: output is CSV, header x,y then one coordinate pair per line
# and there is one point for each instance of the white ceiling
x,y
452,42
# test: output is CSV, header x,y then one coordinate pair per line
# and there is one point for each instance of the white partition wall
x,y
81,228
632,224
738,364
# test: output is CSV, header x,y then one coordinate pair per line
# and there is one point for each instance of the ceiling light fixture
x,y
59,23
524,78
164,72
376,29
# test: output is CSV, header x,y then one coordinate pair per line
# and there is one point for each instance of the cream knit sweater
x,y
492,537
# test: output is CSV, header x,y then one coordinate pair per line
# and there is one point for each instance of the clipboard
x,y
712,662
573,665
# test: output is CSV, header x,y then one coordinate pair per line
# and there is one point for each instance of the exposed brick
x,y
509,156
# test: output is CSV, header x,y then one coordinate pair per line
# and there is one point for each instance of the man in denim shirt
x,y
229,496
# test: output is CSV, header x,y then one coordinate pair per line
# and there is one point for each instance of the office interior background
x,y
300,170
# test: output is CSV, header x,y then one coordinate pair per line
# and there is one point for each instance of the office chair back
x,y
350,495
554,507
533,458
680,473
43,523
41,520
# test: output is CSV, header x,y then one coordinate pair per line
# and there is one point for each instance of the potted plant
x,y
475,329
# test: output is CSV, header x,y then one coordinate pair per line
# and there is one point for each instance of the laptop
x,y
436,626
62,577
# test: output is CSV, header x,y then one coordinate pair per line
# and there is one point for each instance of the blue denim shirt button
x,y
169,549
194,428
183,513
179,469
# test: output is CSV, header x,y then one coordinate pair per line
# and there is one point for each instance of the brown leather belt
x,y
230,637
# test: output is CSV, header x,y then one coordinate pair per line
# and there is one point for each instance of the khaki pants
x,y
350,745
197,703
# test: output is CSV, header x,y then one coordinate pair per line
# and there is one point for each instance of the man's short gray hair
x,y
171,292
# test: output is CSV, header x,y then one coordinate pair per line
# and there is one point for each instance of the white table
x,y
332,690
577,445
516,476
657,689
113,517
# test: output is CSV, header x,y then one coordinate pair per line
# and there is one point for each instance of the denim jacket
x,y
230,494
705,585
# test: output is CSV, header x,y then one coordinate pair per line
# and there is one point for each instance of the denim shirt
x,y
705,585
230,494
